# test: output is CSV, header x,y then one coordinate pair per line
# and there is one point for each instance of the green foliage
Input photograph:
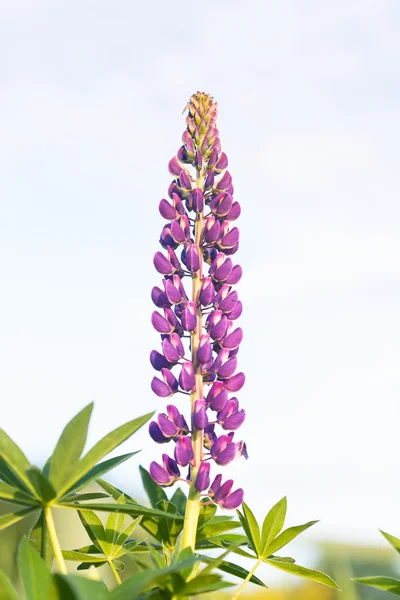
x,y
387,584
265,544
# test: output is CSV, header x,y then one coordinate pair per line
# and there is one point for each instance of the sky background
x,y
91,96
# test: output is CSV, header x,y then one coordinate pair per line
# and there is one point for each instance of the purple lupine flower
x,y
199,214
221,494
166,474
203,477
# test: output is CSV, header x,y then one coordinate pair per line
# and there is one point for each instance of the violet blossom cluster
x,y
199,235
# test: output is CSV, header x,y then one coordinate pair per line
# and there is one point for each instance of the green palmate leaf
x,y
8,493
179,500
69,447
388,584
127,532
15,460
101,449
287,536
153,491
82,557
8,476
138,583
206,513
130,509
393,541
115,523
43,488
233,569
72,587
91,549
203,584
83,497
127,548
40,539
98,470
14,517
7,592
294,569
95,530
35,575
253,527
215,528
114,491
273,523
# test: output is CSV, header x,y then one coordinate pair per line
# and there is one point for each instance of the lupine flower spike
x,y
198,241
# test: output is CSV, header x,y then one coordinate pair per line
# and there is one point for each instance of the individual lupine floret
x,y
221,494
166,474
183,452
165,388
168,426
230,417
203,477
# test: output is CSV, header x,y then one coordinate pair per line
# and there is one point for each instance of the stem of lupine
x,y
245,581
193,502
54,540
115,572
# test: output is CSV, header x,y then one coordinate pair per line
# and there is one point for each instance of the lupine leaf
x,y
253,527
388,584
130,509
14,517
154,492
40,539
393,541
43,488
233,569
179,500
73,587
90,549
203,584
15,459
85,566
83,497
127,532
82,557
211,529
115,523
8,476
311,574
8,493
108,443
206,513
114,491
95,530
287,536
98,470
69,447
126,549
273,523
247,530
35,575
7,592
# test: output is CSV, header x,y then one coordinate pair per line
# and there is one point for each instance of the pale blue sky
x,y
91,95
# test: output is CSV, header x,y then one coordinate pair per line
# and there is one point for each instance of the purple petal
x,y
225,182
234,421
222,162
224,490
223,272
161,324
170,379
197,200
167,427
160,388
159,361
203,477
159,474
207,292
170,466
186,377
184,451
170,352
204,352
228,368
216,484
159,297
221,204
200,419
162,264
236,312
230,239
235,276
184,180
156,433
174,166
235,383
234,213
189,317
231,341
192,258
166,210
177,233
228,304
226,456
209,182
217,396
173,295
234,500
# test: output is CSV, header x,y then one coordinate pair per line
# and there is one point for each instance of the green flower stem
x,y
115,572
54,540
245,581
193,502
